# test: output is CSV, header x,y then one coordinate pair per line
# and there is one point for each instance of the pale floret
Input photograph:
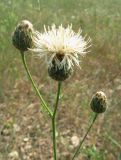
x,y
60,42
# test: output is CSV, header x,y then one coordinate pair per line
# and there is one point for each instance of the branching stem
x,y
34,85
54,122
81,142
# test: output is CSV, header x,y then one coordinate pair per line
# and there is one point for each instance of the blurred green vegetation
x,y
94,154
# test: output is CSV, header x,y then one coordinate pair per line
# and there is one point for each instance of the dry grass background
x,y
25,129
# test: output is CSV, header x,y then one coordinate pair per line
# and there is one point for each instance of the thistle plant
x,y
62,49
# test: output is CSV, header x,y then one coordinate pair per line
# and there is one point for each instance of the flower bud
x,y
22,36
99,102
59,74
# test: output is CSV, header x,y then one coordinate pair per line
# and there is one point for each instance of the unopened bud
x,y
99,102
22,36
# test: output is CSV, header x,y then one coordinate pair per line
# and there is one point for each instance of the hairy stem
x,y
81,142
54,122
34,85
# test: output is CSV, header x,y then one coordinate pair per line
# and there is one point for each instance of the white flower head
x,y
61,45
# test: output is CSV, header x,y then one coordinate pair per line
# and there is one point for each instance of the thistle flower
x,y
99,102
22,36
62,48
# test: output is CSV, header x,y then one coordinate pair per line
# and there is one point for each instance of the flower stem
x,y
54,122
81,142
34,85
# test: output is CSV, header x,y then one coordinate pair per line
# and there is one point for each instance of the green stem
x,y
81,142
34,85
54,122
